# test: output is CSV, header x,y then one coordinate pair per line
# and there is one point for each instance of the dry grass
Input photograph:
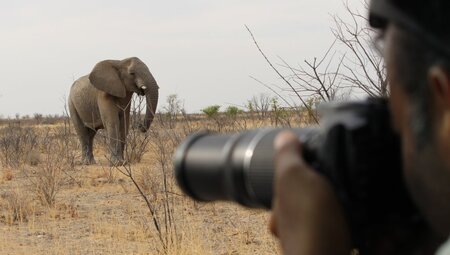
x,y
49,205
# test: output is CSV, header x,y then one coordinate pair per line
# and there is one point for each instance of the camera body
x,y
355,148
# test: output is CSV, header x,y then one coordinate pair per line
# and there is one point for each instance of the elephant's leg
x,y
127,122
110,115
87,145
122,133
124,128
115,142
86,136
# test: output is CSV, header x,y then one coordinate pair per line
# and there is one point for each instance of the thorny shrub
x,y
16,144
57,165
15,207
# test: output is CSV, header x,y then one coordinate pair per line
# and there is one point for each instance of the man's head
x,y
416,35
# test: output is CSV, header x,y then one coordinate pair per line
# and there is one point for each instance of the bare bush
x,y
163,147
56,167
16,143
164,225
148,183
351,66
171,110
233,120
101,140
38,117
188,126
67,141
291,87
161,142
15,207
259,105
159,194
136,141
364,67
281,116
136,145
47,179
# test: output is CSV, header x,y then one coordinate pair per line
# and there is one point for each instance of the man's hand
x,y
307,217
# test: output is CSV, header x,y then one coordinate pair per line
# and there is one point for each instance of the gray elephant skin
x,y
101,100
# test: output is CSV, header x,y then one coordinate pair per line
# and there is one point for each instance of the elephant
x,y
101,100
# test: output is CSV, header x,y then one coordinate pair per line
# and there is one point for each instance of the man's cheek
x,y
442,140
408,154
398,107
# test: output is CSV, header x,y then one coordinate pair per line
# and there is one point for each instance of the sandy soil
x,y
98,210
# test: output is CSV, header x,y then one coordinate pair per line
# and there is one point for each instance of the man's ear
x,y
439,80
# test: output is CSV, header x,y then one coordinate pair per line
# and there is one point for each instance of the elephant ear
x,y
105,77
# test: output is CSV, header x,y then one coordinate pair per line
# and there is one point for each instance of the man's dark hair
x,y
413,58
421,40
426,18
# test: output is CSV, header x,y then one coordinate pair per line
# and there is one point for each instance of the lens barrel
x,y
236,167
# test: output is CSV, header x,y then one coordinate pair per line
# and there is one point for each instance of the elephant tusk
x,y
144,87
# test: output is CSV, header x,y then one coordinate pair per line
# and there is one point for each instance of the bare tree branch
x,y
282,77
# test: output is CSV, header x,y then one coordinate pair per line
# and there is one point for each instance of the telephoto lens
x,y
355,148
236,167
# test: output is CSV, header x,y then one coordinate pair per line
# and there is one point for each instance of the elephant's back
x,y
82,86
83,97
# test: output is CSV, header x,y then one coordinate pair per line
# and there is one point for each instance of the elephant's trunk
x,y
151,94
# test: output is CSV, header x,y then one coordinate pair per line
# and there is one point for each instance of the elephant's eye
x,y
132,73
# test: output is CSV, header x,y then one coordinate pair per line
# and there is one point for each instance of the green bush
x,y
232,111
211,111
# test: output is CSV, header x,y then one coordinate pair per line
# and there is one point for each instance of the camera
x,y
354,147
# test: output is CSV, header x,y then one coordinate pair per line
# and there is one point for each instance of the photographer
x,y
307,217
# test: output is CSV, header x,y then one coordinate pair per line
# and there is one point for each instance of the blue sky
x,y
197,49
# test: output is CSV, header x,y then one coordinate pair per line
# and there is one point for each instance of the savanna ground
x,y
50,204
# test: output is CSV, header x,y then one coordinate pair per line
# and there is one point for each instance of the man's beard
x,y
428,181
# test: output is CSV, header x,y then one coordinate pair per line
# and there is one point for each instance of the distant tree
x,y
173,105
172,109
259,105
211,111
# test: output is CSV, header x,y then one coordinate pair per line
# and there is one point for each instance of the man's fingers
x,y
286,140
273,226
287,149
306,215
288,154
